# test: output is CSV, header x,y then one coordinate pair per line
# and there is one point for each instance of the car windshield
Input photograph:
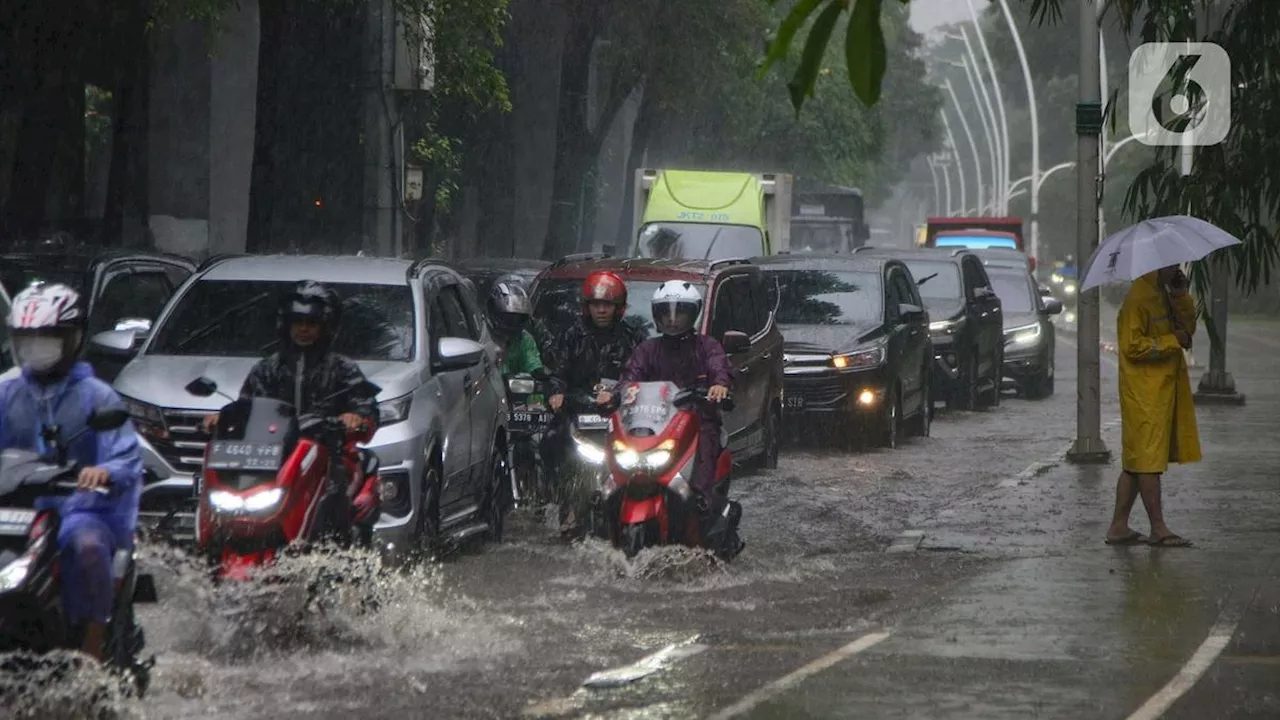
x,y
976,241
237,318
16,277
557,304
819,297
936,280
1015,292
819,236
700,241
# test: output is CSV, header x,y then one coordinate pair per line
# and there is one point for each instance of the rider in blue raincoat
x,y
56,390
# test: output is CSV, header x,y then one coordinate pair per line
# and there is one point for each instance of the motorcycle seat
x,y
369,463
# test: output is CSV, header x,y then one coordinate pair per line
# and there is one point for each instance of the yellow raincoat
x,y
1158,419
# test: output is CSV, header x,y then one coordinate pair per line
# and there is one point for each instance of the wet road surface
x,y
1010,607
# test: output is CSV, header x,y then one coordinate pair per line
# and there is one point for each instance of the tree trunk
x,y
126,202
625,236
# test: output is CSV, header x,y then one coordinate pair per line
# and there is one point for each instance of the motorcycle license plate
x,y
592,422
235,455
795,402
16,521
530,418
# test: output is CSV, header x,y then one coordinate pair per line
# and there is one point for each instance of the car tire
x,y
997,375
964,396
892,420
922,423
427,535
772,439
1040,386
496,500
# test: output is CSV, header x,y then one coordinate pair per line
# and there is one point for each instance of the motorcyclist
x,y
594,348
307,374
687,358
53,398
509,314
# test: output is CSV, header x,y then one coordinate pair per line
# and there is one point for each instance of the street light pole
x,y
945,166
937,189
973,146
988,124
954,155
1035,121
1003,183
1102,139
1088,446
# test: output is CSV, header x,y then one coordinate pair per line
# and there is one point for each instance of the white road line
x,y
1209,650
787,682
1036,467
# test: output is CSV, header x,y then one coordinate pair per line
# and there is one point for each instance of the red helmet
x,y
607,287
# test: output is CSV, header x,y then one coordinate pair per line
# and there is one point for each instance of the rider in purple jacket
x,y
688,359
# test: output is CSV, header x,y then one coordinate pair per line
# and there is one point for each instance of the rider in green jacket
x,y
509,316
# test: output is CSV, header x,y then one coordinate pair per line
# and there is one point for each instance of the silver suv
x,y
415,328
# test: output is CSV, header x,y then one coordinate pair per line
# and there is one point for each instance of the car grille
x,y
817,390
183,445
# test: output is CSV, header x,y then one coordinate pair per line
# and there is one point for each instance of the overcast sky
x,y
928,14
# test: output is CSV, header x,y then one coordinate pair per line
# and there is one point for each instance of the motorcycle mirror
x,y
202,387
108,419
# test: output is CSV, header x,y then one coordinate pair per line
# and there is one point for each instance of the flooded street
x,y
1010,606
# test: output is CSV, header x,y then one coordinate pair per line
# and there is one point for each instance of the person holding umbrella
x,y
1153,330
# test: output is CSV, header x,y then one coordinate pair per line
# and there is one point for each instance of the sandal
x,y
1170,541
1133,538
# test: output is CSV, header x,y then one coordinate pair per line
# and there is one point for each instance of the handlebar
x,y
68,485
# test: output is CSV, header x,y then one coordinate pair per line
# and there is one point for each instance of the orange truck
x,y
977,233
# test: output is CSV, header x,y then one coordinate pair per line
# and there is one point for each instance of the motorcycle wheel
x,y
633,539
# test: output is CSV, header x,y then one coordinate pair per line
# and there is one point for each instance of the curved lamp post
x,y
1035,128
973,146
937,187
1003,184
953,155
988,127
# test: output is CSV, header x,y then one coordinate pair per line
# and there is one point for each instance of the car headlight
x,y
871,357
1069,288
391,412
1027,335
148,417
521,386
947,326
1056,278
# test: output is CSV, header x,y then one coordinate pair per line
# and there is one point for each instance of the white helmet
x,y
676,306
47,321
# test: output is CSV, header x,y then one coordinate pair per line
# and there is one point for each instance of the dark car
x,y
858,354
965,322
484,271
739,312
1029,336
125,289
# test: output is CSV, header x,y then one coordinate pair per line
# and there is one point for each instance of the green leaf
x,y
815,46
864,51
787,31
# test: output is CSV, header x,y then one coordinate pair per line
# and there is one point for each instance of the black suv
x,y
125,289
857,345
965,322
1030,340
484,271
739,312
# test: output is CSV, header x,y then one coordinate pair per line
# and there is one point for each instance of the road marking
x,y
1219,637
907,541
787,682
1036,468
645,666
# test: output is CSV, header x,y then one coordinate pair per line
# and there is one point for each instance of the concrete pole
x,y
973,145
1088,446
1217,387
1035,119
382,207
1105,94
937,188
1003,183
954,154
945,167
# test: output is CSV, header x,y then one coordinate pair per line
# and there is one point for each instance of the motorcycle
x,y
269,480
585,470
652,448
528,420
31,613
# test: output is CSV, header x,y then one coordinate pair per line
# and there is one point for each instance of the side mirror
x,y
983,292
910,314
113,343
108,419
139,326
202,387
1052,306
457,353
735,342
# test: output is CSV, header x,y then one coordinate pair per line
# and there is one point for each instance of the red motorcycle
x,y
265,483
652,448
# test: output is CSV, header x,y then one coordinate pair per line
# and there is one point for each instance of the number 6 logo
x,y
1180,94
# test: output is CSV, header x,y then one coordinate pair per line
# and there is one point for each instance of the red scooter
x,y
265,483
652,447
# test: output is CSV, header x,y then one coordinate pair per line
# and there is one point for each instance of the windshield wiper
x,y
925,279
711,247
210,326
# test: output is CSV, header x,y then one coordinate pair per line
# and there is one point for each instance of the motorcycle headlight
x,y
1026,335
587,450
521,386
231,503
947,326
391,412
871,357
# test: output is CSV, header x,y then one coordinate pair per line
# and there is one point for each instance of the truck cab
x,y
711,215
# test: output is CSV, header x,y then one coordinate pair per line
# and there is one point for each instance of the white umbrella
x,y
1151,245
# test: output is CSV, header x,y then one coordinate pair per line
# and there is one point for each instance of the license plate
x,y
233,455
530,418
795,402
15,521
590,422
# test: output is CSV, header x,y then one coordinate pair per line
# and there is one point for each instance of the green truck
x,y
711,215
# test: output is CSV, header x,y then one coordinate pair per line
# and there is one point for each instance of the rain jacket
x,y
1158,417
28,406
584,354
314,376
521,356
